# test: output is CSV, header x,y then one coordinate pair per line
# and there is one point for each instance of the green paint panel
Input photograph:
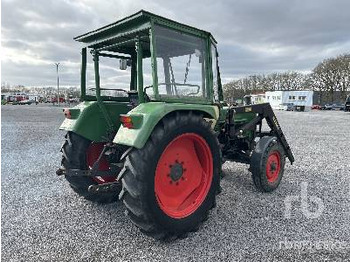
x,y
91,124
152,113
242,118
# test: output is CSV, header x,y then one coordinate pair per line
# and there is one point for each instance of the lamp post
x,y
58,84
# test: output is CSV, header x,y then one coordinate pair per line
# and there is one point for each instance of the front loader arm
x,y
264,111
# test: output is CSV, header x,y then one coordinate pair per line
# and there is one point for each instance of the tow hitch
x,y
113,171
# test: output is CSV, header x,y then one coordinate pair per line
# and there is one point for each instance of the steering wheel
x,y
110,89
176,84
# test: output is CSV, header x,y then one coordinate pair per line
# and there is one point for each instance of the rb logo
x,y
304,204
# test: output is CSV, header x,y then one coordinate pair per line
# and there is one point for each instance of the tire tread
x,y
135,186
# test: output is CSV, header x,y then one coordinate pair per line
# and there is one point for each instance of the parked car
x,y
347,104
299,108
25,102
338,106
327,107
288,106
316,107
54,100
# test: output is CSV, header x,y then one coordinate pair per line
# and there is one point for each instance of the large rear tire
x,y
170,184
80,153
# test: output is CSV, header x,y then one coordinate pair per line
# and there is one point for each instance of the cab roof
x,y
136,24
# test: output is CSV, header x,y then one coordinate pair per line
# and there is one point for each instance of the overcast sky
x,y
254,36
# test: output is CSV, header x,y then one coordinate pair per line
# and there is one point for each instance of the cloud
x,y
256,36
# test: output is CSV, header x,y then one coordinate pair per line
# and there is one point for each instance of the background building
x,y
281,99
258,98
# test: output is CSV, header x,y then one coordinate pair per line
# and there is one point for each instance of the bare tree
x,y
261,83
331,75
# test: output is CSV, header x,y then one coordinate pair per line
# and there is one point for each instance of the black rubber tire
x,y
258,162
74,157
138,178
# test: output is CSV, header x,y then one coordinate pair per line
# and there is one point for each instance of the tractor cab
x,y
145,58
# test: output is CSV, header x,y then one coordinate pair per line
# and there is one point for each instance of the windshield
x,y
180,64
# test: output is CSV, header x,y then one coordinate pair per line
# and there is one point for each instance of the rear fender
x,y
151,113
86,119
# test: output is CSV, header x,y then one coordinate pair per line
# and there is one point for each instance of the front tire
x,y
267,164
170,184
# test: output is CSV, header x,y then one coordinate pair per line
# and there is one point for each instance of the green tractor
x,y
157,136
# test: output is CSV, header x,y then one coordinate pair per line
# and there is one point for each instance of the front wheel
x,y
170,184
267,164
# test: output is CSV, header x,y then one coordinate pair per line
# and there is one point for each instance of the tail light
x,y
126,121
71,113
67,113
131,121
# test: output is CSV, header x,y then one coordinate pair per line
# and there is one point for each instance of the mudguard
x,y
150,114
87,119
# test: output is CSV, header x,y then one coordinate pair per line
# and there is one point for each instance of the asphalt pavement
x,y
306,218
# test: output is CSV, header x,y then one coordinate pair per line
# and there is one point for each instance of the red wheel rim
x,y
93,153
183,175
273,166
